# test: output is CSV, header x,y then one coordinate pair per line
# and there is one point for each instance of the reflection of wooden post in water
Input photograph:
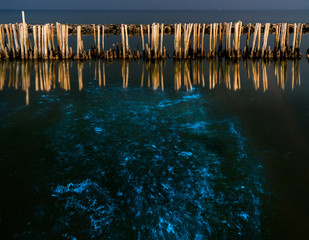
x,y
293,74
40,77
256,74
281,82
283,73
213,75
155,75
143,73
67,77
125,73
227,75
194,72
3,74
80,67
95,70
235,66
17,75
220,70
3,67
60,74
104,82
162,81
198,72
177,75
276,71
210,75
265,78
202,73
247,67
99,72
297,72
148,66
214,72
53,73
47,82
64,75
26,80
44,76
186,75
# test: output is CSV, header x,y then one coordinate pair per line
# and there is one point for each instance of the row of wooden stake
x,y
15,42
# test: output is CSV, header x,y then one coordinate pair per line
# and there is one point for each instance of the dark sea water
x,y
154,150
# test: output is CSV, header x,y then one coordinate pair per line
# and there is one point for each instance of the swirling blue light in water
x,y
171,172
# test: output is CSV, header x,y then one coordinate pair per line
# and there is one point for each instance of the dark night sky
x,y
154,4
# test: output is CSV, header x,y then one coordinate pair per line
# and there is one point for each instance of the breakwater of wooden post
x,y
189,41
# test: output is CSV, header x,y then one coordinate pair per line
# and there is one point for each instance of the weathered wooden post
x,y
294,38
21,40
161,47
142,35
94,35
202,41
103,38
52,37
67,41
15,39
266,32
35,38
122,42
99,42
78,50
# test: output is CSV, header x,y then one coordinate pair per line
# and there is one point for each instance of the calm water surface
x,y
163,150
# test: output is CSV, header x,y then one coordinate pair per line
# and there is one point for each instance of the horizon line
x,y
214,9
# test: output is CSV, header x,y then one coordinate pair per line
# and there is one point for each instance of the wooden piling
x,y
15,38
78,50
52,37
99,41
67,41
35,38
21,40
194,38
1,38
266,32
248,35
161,47
103,29
123,42
259,38
202,41
294,37
142,35
210,41
94,35
127,39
